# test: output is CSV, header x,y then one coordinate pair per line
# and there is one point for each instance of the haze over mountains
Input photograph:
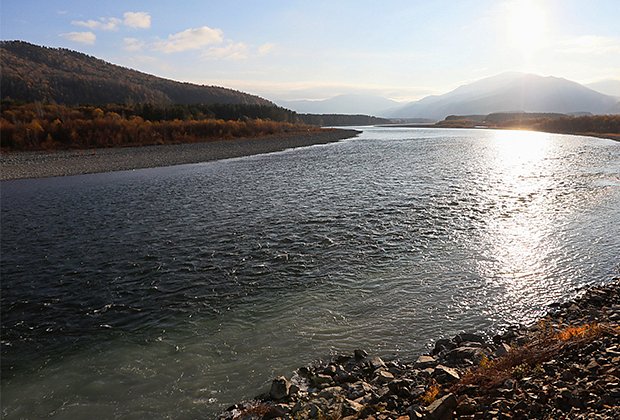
x,y
510,92
506,92
608,87
343,104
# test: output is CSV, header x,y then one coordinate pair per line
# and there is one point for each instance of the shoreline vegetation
x,y
43,140
567,365
602,126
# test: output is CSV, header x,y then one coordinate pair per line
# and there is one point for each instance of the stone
x,y
443,345
384,376
442,408
424,362
444,374
359,389
400,388
567,375
330,392
321,379
377,363
466,406
279,388
502,350
360,354
330,370
460,354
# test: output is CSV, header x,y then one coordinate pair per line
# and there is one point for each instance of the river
x,y
175,292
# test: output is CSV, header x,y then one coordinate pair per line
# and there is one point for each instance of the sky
x,y
316,49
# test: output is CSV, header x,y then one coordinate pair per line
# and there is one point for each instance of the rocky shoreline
x,y
567,366
16,165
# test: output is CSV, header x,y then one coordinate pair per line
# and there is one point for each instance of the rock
x,y
377,363
466,406
359,389
461,354
384,377
444,374
360,354
443,345
502,350
279,388
442,408
330,392
321,379
424,362
330,370
400,388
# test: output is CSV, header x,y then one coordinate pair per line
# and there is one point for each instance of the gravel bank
x,y
74,162
567,366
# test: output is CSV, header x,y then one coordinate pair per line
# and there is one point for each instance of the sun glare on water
x,y
526,25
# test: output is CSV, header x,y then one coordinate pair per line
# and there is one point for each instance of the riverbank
x,y
16,165
565,366
609,136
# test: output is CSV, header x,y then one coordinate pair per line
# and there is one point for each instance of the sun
x,y
526,25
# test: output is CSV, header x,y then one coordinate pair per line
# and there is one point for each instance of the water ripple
x,y
185,290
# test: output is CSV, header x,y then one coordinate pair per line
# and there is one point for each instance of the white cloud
x,y
232,51
132,44
140,20
81,37
266,48
190,39
590,44
104,24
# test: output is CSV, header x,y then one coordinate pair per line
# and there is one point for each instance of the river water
x,y
175,292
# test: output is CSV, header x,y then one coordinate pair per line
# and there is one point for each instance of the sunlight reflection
x,y
518,231
519,150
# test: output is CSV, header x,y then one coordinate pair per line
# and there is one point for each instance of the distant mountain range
x,y
507,92
343,104
35,73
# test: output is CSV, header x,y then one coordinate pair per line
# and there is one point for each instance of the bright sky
x,y
314,49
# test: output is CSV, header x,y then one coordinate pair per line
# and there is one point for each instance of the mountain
x,y
510,92
343,104
608,87
34,73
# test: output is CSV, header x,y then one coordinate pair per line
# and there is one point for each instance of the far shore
x,y
41,164
609,136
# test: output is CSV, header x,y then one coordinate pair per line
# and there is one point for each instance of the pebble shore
x,y
567,366
16,165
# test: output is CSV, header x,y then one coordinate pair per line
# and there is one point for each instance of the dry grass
x,y
430,395
547,344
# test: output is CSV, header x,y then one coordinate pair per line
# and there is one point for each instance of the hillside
x,y
509,92
34,73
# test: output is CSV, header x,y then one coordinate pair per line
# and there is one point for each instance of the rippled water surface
x,y
175,292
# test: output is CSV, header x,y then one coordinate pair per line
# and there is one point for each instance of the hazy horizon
x,y
297,50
